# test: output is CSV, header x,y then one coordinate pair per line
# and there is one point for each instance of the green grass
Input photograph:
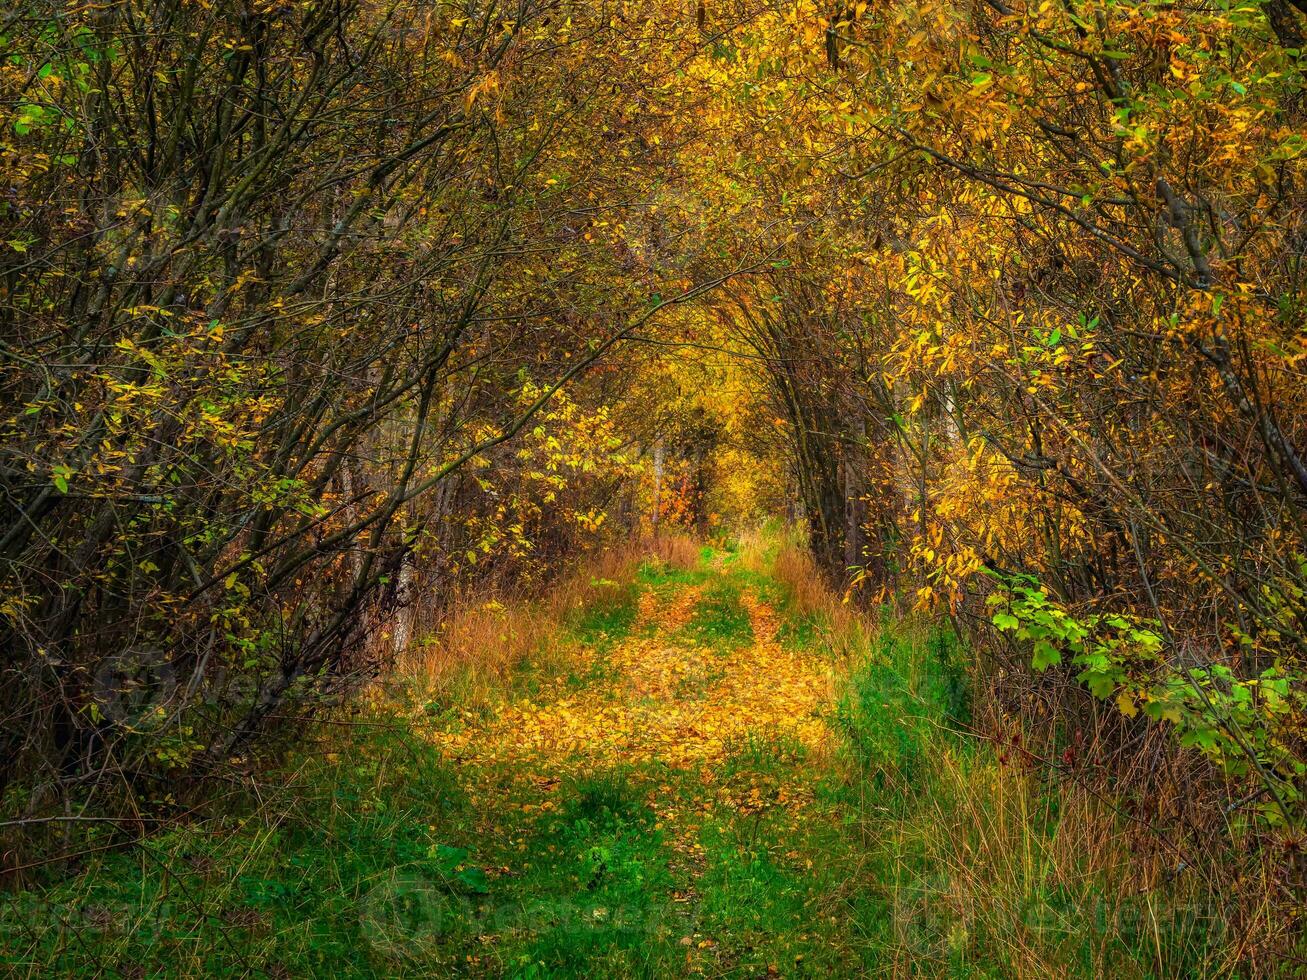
x,y
594,890
378,867
609,620
799,633
600,627
889,712
780,890
767,755
294,882
665,578
901,848
720,620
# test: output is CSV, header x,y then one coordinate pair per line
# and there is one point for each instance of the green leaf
x,y
1100,685
1006,621
1045,655
61,474
474,880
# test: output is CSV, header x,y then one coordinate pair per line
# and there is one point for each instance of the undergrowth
x,y
899,845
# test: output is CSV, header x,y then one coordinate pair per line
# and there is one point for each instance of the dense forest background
x,y
323,320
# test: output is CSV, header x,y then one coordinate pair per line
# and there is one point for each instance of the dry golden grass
x,y
1046,883
757,546
840,626
483,639
794,568
675,550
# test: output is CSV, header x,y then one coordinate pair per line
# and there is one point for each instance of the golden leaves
x,y
668,700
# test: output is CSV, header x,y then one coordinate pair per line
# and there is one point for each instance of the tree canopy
x,y
315,314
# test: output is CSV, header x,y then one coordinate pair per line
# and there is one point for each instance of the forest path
x,y
668,805
683,781
700,669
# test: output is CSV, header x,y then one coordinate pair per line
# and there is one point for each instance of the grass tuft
x,y
720,620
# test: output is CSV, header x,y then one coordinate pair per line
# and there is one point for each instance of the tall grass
x,y
485,640
993,869
673,550
990,861
815,614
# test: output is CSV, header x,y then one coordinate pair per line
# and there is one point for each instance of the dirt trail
x,y
660,695
679,707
